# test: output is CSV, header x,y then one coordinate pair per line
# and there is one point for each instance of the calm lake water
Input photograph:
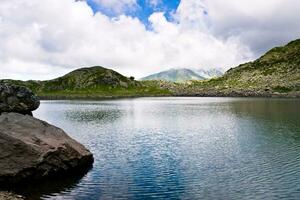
x,y
180,148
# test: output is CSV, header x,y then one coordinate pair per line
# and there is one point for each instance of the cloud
x,y
260,25
62,35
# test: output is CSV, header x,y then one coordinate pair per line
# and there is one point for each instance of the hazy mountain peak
x,y
185,74
175,75
209,73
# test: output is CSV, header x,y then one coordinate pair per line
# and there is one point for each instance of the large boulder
x,y
17,99
31,149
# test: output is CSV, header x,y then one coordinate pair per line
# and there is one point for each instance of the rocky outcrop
x,y
17,99
31,149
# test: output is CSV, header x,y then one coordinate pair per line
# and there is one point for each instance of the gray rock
x,y
31,149
17,99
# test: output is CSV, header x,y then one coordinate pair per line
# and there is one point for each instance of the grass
x,y
104,92
281,89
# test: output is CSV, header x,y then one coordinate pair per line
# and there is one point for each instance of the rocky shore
x,y
238,93
32,149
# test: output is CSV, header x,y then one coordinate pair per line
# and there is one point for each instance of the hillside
x,y
93,82
277,73
175,75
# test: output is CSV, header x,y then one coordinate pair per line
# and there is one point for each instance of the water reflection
x,y
56,185
184,148
93,115
267,108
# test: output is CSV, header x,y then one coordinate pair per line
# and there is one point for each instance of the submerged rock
x,y
31,149
17,99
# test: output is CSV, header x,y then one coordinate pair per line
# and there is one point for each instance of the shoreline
x,y
269,96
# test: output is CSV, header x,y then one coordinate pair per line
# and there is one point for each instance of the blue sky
x,y
142,11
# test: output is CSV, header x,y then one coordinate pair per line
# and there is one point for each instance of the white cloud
x,y
62,35
259,24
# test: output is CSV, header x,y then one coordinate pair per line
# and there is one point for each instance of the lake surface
x,y
181,148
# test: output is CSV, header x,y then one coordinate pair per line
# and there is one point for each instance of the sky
x,y
44,39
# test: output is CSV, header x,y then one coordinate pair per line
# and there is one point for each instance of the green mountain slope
x,y
93,77
175,75
277,73
93,82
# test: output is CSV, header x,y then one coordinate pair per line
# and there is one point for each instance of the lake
x,y
180,148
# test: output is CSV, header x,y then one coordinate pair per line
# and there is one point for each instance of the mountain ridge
x,y
274,74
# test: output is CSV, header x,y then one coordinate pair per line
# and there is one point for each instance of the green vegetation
x,y
94,82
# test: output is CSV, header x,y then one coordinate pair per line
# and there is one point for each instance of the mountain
x,y
277,73
175,75
92,82
92,77
83,78
210,73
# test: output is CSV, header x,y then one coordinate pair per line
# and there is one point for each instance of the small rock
x,y
17,99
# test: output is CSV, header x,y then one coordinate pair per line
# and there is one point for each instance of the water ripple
x,y
183,148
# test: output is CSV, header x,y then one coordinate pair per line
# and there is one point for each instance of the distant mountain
x,y
210,73
175,75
